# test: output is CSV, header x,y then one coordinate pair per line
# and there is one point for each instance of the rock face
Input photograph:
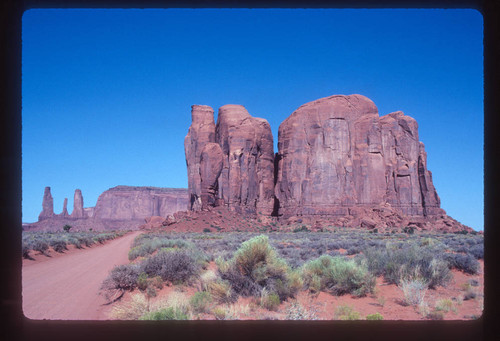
x,y
137,203
246,181
78,211
336,154
337,160
231,163
64,212
201,132
211,162
47,205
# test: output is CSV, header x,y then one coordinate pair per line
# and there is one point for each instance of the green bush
x,y
200,302
170,313
67,228
142,281
338,276
255,266
269,301
345,312
376,316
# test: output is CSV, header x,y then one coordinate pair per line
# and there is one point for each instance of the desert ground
x,y
69,284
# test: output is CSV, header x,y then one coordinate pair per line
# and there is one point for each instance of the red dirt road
x,y
67,287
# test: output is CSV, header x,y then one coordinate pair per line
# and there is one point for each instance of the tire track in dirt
x,y
67,287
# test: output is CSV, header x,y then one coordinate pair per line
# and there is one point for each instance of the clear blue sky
x,y
107,93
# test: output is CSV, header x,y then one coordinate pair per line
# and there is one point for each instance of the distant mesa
x,y
338,162
119,207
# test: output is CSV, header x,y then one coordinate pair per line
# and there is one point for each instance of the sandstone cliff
x,y
338,161
230,163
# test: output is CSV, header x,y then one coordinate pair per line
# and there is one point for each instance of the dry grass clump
x,y
296,311
338,276
131,310
413,291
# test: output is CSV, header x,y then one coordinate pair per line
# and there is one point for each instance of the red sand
x,y
66,286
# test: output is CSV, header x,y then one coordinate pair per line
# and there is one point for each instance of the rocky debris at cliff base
x,y
223,219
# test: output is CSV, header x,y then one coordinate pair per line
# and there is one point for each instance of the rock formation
x,y
47,205
246,181
211,162
337,157
231,163
64,212
201,132
120,207
78,211
337,160
137,203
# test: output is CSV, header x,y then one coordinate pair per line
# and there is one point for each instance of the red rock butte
x,y
338,162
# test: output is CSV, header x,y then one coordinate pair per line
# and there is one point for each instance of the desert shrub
x,y
354,250
175,266
376,316
297,312
26,251
142,281
470,294
338,276
302,228
223,313
85,240
75,241
408,230
146,244
207,230
58,245
463,262
397,262
269,301
435,315
40,246
345,312
67,228
206,278
221,291
473,282
477,251
413,291
121,278
200,302
169,313
255,266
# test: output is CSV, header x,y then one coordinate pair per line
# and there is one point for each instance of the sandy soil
x,y
66,286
